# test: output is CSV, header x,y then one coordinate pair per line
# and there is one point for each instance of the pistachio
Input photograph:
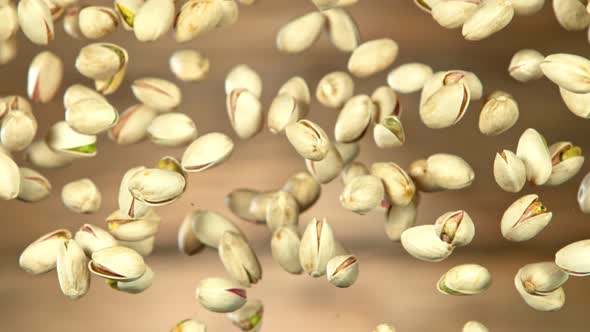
x,y
282,210
387,327
136,286
93,238
490,17
243,77
474,326
525,65
389,133
35,21
348,151
153,20
533,151
300,33
354,119
172,129
11,103
247,2
41,256
455,228
571,14
127,11
239,201
386,103
55,8
567,161
327,169
584,194
335,89
297,88
509,171
34,186
188,243
91,116
362,194
442,78
304,188
44,77
8,50
78,92
111,84
209,227
245,112
159,94
71,23
189,325
442,171
573,258
10,178
127,203
239,260
466,279
220,295
249,317
308,139
409,77
197,17
207,152
568,71
156,187
259,206
342,271
446,107
343,30
132,125
398,219
498,114
550,296
284,245
453,14
527,7
9,19
72,270
525,218
18,129
230,13
372,57
189,65
577,103
97,21
81,196
117,263
101,61
317,247
126,228
142,247
353,170
284,110
422,243
399,187
325,4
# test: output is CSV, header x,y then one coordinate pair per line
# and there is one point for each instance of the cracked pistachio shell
x,y
245,113
453,14
498,114
466,279
362,194
422,243
387,327
172,129
490,17
117,263
243,77
249,317
318,246
284,245
142,247
354,119
409,77
446,107
44,77
282,210
239,260
284,110
8,50
389,133
156,187
399,187
577,103
533,151
584,194
206,152
239,201
11,103
34,186
189,325
197,17
571,14
230,13
71,23
41,256
125,228
97,21
372,57
327,169
300,33
189,65
343,30
81,196
35,21
132,125
443,78
348,151
342,271
573,258
159,94
455,228
474,326
40,155
188,243
9,21
549,301
335,89
568,71
525,65
220,295
386,103
170,163
209,227
127,11
527,7
127,203
304,188
91,116
399,219
567,161
308,139
93,238
101,61
525,218
542,278
509,171
353,170
18,129
136,286
78,92
153,20
110,85
72,270
297,88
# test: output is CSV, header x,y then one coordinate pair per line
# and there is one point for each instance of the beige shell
x,y
466,279
399,219
335,89
10,178
142,247
44,77
343,30
156,187
9,19
542,278
243,77
117,263
78,92
101,61
41,256
327,169
525,218
282,210
97,21
172,129
159,94
220,295
490,17
190,65
317,247
348,151
127,203
422,243
297,88
498,114
308,139
455,228
354,119
124,228
573,258
245,112
474,326
42,156
399,187
353,170
568,71
453,14
71,23
239,260
206,152
34,186
91,116
197,17
284,246
509,171
132,125
577,103
8,50
209,227
239,201
551,301
188,243
72,270
584,194
81,196
446,107
525,65
304,188
93,238
389,133
409,77
533,151
571,14
284,110
153,20
299,34
248,318
342,271
127,10
35,21
135,286
18,129
372,57
362,194
386,103
527,7
190,325
563,169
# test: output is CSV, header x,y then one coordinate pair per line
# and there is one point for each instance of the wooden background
x,y
392,286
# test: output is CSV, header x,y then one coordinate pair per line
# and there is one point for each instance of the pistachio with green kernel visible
x,y
127,10
533,151
389,133
466,279
249,317
525,218
567,160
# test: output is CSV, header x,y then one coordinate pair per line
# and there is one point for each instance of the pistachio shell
x,y
239,201
474,326
71,23
551,301
325,4
490,17
101,61
389,133
308,139
304,188
509,171
409,77
297,88
453,14
188,243
455,228
207,152
362,194
399,187
300,33
127,203
499,113
386,103
282,210
342,271
422,243
143,247
93,238
577,103
525,65
35,21
533,151
573,258
34,186
387,327
243,77
245,113
132,125
327,169
156,187
197,17
259,205
399,219
442,78
584,194
78,92
284,247
527,7
230,13
72,270
44,77
10,178
220,295
41,256
239,260
466,279
91,116
568,71
81,196
97,21
209,227
450,171
135,286
129,229
317,247
284,110
354,119
567,161
446,107
18,129
542,278
372,57
8,50
40,155
117,263
353,170
154,19
343,30
159,94
190,325
249,317
335,89
127,11
524,219
348,151
189,65
571,14
172,129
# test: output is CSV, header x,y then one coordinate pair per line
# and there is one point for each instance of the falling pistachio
x,y
533,151
525,65
498,114
567,160
72,270
343,30
354,119
335,89
210,226
81,196
153,19
455,228
568,71
509,171
327,169
342,271
239,260
466,279
308,139
422,243
362,194
136,286
539,285
41,256
117,263
220,295
34,186
300,34
490,17
399,187
409,77
93,238
44,77
399,219
304,188
525,218
249,317
584,194
573,258
317,247
372,57
284,245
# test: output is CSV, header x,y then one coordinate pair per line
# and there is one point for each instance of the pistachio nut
x,y
399,187
372,57
189,65
343,30
243,77
249,317
220,295
81,196
422,243
335,89
91,116
525,218
8,50
210,226
171,164
342,271
18,129
189,325
284,245
207,152
41,256
474,326
546,274
136,286
110,85
398,219
284,110
304,188
362,194
259,206
142,247
317,247
527,7
230,13
442,78
577,103
509,171
567,160
72,270
488,18
568,71
533,151
127,203
573,258
446,107
10,178
300,33
297,88
442,171
125,228
354,119
327,169
455,228
525,65
153,19
245,112
197,17
466,279
156,187
127,11
159,94
188,243
71,23
571,14
117,263
97,21
101,61
35,21
93,238
353,170
239,260
44,77
386,103
498,114
387,327
453,14
409,77
308,139
132,125
348,151
282,210
34,186
239,201
389,133
584,194
9,19
172,129
78,92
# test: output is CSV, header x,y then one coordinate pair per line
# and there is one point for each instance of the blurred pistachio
x,y
230,13
474,326
539,285
353,170
117,263
372,57
455,228
317,247
243,77
71,23
454,13
259,206
156,187
81,196
567,160
78,92
284,247
18,129
389,133
525,218
525,65
8,50
386,103
209,226
206,152
348,151
220,295
282,210
297,88
41,256
188,243
422,243
153,19
571,14
159,94
172,129
72,270
10,178
239,201
498,114
568,71
143,247
387,327
343,30
308,139
35,21
189,65
284,110
127,10
189,325
136,286
245,112
335,89
362,194
300,33
533,151
325,4
34,186
354,119
509,171
91,116
399,187
327,169
93,238
239,260
126,228
342,271
442,171
527,7
409,77
446,107
44,77
400,218
466,279
304,188
584,194
127,203
577,103
132,125
573,258
197,17
249,317
101,61
97,22
111,84
9,20
490,17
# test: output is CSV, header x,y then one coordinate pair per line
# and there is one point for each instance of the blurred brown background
x,y
392,286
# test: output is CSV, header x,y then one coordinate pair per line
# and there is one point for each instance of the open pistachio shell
x,y
245,112
153,20
399,187
41,256
455,228
354,119
490,17
308,139
136,286
220,295
422,243
282,210
117,263
362,194
409,77
571,14
498,114
577,103
35,21
335,89
343,30
304,188
97,21
44,77
389,133
209,227
317,247
156,187
188,243
446,107
550,301
284,110
159,94
72,270
509,171
300,33
172,129
284,247
466,279
81,196
239,260
573,258
127,10
101,61
18,129
63,139
249,317
91,116
525,65
342,271
132,125
542,278
584,194
525,218
243,77
442,78
567,161
568,71
399,219
327,169
34,186
533,151
197,17
127,203
93,238
372,57
130,229
207,152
